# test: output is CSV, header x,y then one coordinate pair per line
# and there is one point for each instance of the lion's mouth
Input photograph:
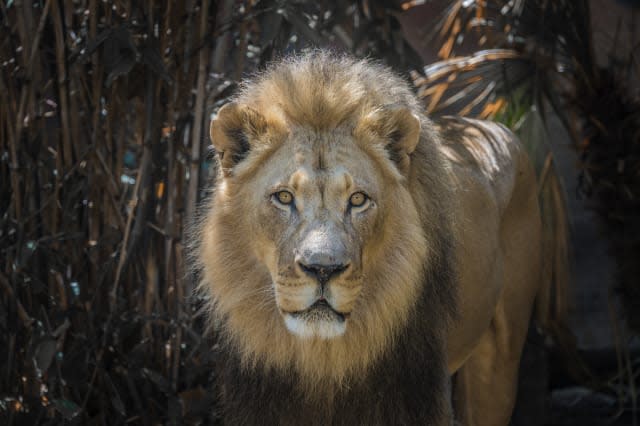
x,y
320,310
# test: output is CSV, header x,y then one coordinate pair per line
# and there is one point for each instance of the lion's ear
x,y
232,130
399,127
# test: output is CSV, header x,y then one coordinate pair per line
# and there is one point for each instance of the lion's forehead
x,y
328,163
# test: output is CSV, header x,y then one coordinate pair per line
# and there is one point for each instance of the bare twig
x,y
22,313
62,83
133,203
13,142
241,51
196,143
38,36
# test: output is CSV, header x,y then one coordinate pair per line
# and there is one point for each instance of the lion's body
x,y
499,268
357,254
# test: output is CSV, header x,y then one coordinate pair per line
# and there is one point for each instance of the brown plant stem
x,y
22,313
196,143
62,85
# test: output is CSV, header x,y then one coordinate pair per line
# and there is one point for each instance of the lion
x,y
356,254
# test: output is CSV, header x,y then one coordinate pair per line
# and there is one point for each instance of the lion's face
x,y
313,245
312,223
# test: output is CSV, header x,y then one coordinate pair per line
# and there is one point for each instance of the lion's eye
x,y
284,197
358,199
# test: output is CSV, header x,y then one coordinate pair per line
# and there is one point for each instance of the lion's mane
x,y
397,340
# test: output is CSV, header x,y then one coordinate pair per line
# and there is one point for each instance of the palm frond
x,y
474,84
520,46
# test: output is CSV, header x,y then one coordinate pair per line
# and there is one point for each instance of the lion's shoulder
x,y
485,153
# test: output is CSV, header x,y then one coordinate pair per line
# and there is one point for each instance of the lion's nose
x,y
323,253
322,273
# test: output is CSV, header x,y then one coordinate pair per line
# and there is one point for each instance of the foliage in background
x,y
104,108
103,147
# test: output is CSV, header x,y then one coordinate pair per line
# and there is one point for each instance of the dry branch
x,y
62,81
196,143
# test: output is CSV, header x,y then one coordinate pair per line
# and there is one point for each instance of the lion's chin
x,y
322,328
320,320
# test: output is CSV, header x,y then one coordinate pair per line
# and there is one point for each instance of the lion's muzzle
x,y
324,263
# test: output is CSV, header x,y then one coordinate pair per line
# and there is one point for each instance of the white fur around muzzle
x,y
324,329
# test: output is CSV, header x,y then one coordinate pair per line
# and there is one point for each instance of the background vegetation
x,y
104,156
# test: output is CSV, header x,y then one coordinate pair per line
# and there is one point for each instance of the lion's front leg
x,y
484,390
485,387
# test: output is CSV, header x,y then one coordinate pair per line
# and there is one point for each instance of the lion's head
x,y
313,246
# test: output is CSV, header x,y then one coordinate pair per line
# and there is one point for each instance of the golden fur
x,y
299,99
444,257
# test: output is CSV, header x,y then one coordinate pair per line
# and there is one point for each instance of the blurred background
x,y
104,157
